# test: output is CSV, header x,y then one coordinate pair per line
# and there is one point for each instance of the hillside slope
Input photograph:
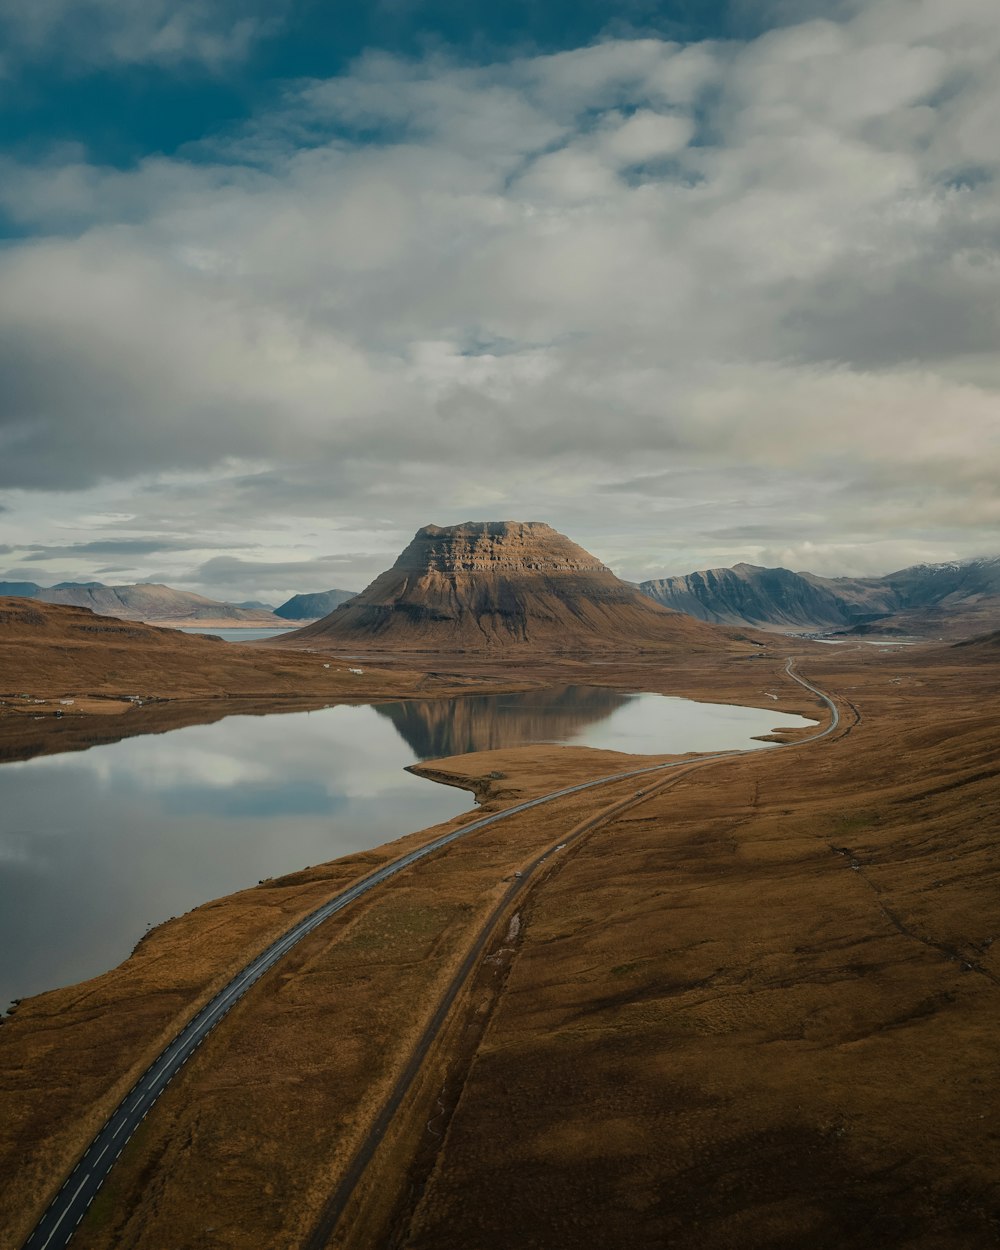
x,y
52,650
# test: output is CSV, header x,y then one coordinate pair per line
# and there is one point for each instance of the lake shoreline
x,y
721,943
208,807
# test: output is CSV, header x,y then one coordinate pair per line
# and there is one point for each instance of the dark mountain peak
x,y
309,607
750,595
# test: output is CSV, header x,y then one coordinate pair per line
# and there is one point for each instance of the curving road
x,y
335,1206
834,711
78,1191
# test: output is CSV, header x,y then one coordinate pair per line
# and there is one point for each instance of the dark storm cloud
x,y
324,573
875,319
312,487
114,547
24,573
88,399
740,534
680,481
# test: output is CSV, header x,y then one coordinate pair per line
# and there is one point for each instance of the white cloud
x,y
647,136
534,279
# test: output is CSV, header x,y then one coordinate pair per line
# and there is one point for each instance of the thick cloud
x,y
282,579
426,291
105,547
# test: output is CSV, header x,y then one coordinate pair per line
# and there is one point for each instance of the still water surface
x,y
237,635
96,845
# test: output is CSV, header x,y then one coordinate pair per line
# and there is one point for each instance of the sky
x,y
693,282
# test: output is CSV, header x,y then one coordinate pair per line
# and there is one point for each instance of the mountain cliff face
x,y
747,594
941,585
493,585
920,597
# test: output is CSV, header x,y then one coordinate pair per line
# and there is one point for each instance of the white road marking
x,y
68,1205
180,1050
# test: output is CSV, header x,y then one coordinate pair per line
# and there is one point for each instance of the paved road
x,y
834,712
78,1191
333,1209
330,1215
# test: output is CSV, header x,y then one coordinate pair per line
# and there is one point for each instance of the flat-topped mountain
x,y
493,585
925,598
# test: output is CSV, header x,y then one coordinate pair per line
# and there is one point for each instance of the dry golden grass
x,y
70,679
758,1011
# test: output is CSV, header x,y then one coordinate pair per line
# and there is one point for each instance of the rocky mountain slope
x,y
748,594
310,607
495,585
925,598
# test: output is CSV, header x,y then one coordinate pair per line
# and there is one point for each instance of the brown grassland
x,y
70,679
759,1009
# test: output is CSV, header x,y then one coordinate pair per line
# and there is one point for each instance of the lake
x,y
97,845
239,635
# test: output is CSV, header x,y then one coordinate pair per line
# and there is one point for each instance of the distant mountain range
x,y
312,607
161,605
938,599
954,600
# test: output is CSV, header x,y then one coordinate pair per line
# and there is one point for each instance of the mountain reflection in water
x,y
97,843
433,728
